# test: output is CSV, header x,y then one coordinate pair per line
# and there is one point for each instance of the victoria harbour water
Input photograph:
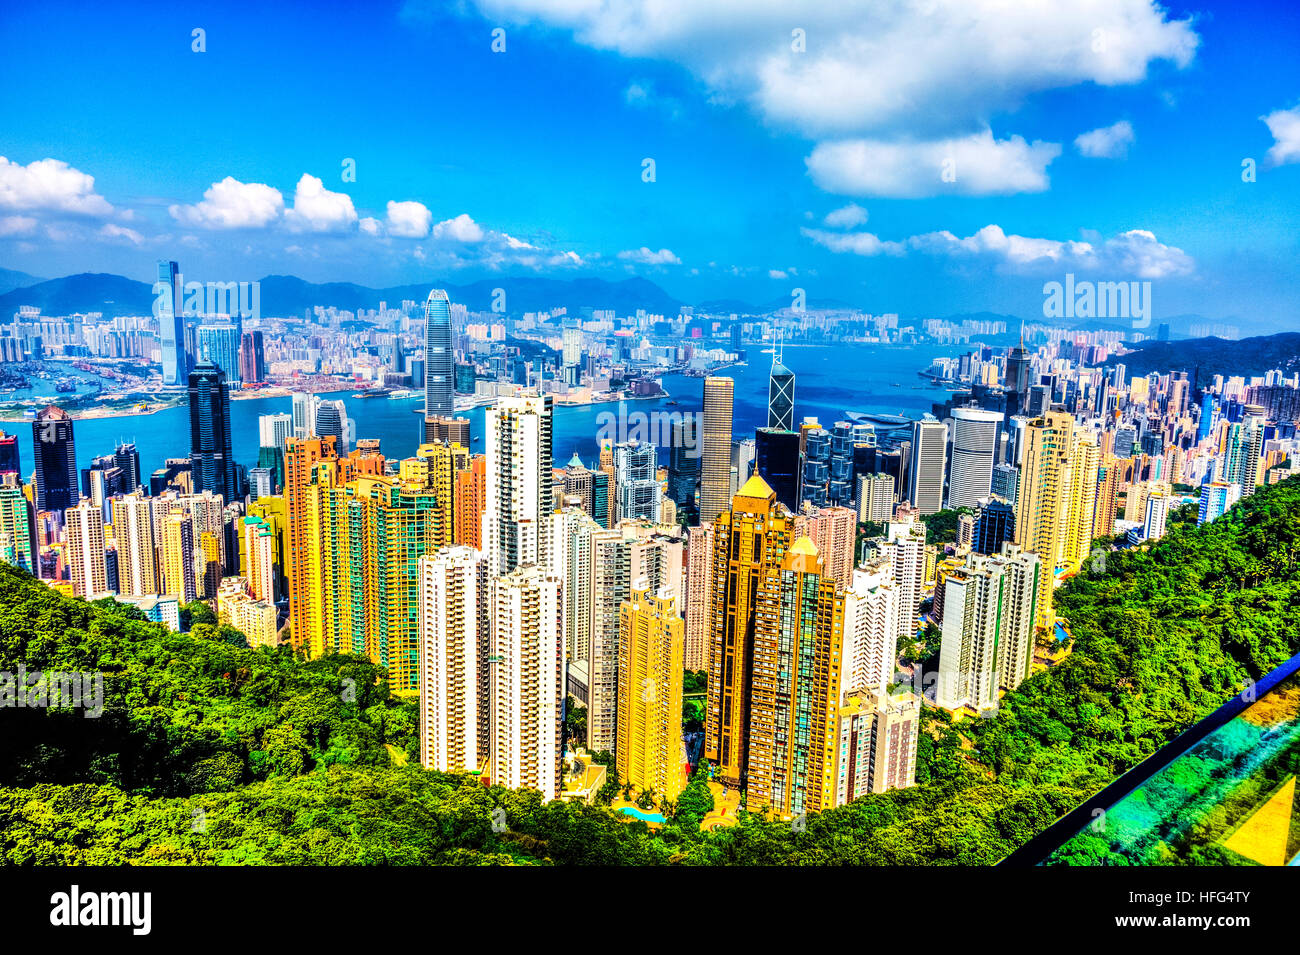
x,y
830,380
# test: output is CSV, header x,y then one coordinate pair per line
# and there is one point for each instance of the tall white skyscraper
x,y
133,530
526,693
517,511
929,452
273,430
304,415
85,537
870,628
904,548
571,533
453,660
974,441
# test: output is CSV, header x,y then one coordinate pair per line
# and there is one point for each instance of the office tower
x,y
904,549
212,459
877,734
252,358
219,344
304,415
1216,498
638,490
798,646
261,483
750,538
126,457
55,451
833,531
526,690
439,374
133,529
1125,438
988,628
178,557
330,416
715,442
649,751
602,498
1043,503
10,456
1040,398
1017,379
1005,482
441,429
1157,512
453,661
275,430
619,558
742,464
171,327
578,483
776,461
571,343
974,440
699,570
16,540
995,525
470,493
684,465
85,539
518,503
875,497
780,395
816,466
929,453
870,628
840,487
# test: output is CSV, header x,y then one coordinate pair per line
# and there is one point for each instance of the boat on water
x,y
372,393
400,395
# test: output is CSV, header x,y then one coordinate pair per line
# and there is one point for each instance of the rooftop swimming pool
x,y
643,816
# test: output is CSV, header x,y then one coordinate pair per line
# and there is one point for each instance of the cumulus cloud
x,y
867,65
317,209
231,204
1108,142
409,220
1136,252
846,217
645,256
370,226
461,229
1284,124
16,225
975,165
49,185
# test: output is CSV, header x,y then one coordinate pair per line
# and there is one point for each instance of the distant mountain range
x,y
11,279
1215,356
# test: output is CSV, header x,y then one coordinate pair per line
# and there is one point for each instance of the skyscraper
x,y
526,692
212,459
85,536
10,458
974,440
56,460
650,644
127,459
929,452
1042,505
699,569
518,504
133,530
638,490
877,743
684,464
252,358
995,525
715,440
439,373
1216,498
171,326
453,661
750,539
780,394
776,460
219,343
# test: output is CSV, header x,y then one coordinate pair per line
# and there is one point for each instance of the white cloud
x,y
460,229
409,220
370,226
113,231
316,209
777,274
1136,252
975,165
846,217
1284,124
231,204
49,185
16,225
645,256
871,66
1108,142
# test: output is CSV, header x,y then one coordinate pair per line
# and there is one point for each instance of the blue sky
x,y
942,135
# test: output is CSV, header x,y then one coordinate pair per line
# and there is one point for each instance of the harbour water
x,y
830,380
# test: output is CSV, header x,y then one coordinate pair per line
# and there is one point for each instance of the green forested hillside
x,y
209,753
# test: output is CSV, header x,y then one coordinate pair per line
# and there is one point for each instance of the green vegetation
x,y
1214,356
941,526
210,753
